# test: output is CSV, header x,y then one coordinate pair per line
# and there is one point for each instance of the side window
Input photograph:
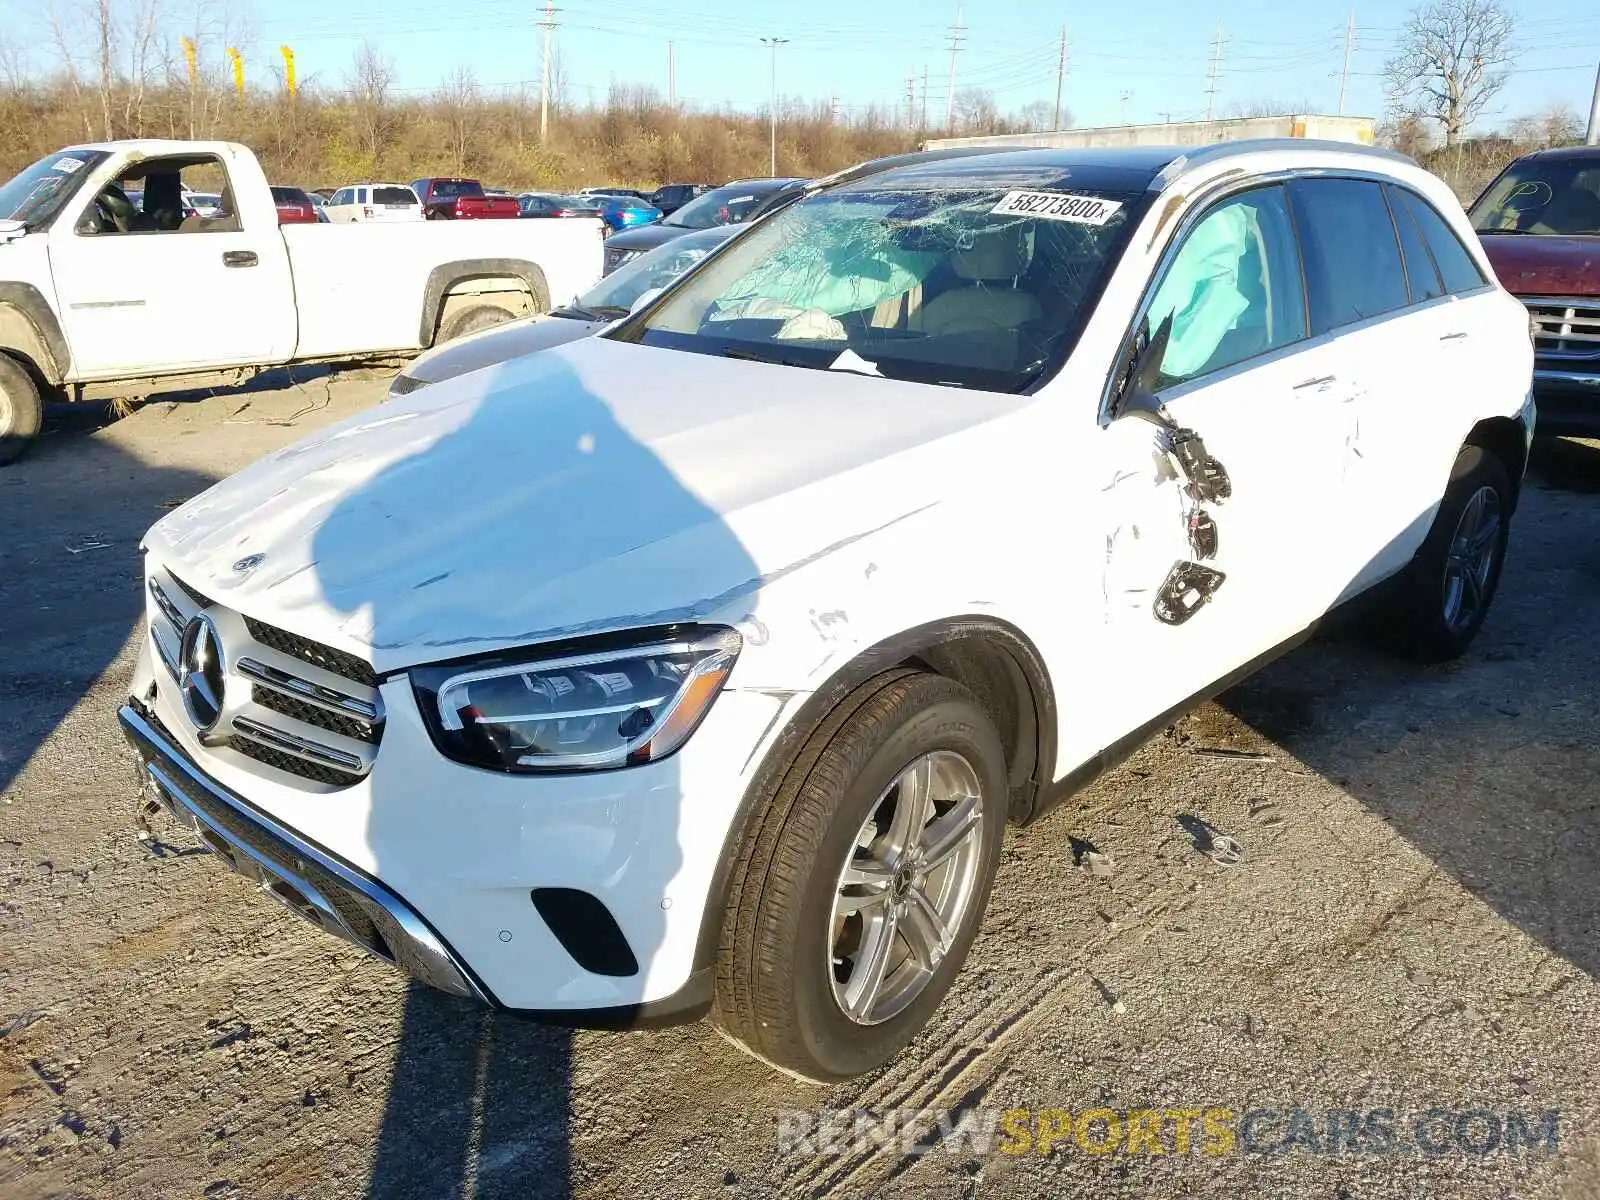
x,y
1233,290
341,197
1352,259
165,189
1457,267
361,195
1421,274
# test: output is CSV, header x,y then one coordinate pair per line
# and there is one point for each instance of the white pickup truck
x,y
102,297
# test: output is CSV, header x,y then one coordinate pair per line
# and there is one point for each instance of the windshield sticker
x,y
1058,206
66,165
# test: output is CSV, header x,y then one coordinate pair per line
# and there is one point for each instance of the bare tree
x,y
370,81
1405,132
460,103
1452,58
1039,117
1268,107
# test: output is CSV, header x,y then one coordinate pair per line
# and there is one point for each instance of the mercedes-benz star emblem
x,y
200,672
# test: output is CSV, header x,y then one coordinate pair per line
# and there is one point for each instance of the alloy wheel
x,y
905,889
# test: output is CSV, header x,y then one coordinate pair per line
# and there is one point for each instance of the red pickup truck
x,y
1540,224
447,199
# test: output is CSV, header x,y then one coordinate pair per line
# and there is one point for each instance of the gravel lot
x,y
1413,924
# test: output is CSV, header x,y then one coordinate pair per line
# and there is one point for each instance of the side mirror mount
x,y
644,298
1136,393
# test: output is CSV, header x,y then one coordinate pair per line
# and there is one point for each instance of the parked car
x,y
320,203
609,300
91,313
375,202
612,710
615,191
673,196
460,199
206,204
1540,224
548,204
294,206
729,205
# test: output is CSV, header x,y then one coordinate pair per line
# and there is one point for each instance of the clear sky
x,y
1135,62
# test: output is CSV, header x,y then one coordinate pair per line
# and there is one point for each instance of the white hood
x,y
591,487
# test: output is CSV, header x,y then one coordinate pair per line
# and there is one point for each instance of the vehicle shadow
x,y
512,505
1485,765
72,507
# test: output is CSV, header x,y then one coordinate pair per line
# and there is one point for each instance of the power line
x,y
956,36
1216,65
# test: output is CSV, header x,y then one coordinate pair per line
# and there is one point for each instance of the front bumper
x,y
309,882
1569,402
482,883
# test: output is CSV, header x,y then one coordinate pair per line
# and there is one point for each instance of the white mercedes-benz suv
x,y
702,665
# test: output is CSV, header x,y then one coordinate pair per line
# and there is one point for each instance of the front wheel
x,y
1443,597
21,410
864,883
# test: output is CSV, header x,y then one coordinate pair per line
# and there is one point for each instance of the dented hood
x,y
592,487
1545,265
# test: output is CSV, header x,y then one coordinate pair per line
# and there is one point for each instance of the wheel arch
x,y
445,278
30,333
1507,439
992,658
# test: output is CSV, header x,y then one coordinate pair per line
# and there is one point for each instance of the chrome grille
x,y
315,653
292,705
1566,326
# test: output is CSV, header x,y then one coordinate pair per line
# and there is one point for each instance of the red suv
x,y
1540,223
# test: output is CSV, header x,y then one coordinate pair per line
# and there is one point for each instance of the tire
x,y
21,410
789,961
470,320
1440,600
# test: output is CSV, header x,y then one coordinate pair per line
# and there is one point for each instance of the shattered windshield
x,y
38,193
974,286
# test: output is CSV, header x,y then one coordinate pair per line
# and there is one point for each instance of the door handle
x,y
239,258
1319,381
1458,336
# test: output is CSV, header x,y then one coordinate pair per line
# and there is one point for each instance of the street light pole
x,y
774,43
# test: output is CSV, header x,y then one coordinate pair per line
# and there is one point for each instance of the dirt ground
x,y
1412,925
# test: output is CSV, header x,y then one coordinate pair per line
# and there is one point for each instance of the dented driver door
x,y
1221,500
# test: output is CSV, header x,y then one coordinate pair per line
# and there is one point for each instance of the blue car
x,y
620,212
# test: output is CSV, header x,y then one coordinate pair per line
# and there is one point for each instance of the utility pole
x,y
1592,138
549,23
774,43
672,75
1061,73
956,36
911,100
1216,65
922,126
1349,43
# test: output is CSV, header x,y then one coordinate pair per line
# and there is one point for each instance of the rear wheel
x,y
470,320
21,409
1443,597
865,881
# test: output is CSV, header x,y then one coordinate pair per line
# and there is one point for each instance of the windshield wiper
x,y
600,312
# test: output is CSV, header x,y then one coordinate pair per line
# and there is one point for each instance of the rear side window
x,y
1457,267
393,195
1352,260
1420,271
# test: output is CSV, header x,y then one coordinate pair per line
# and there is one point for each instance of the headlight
x,y
617,707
